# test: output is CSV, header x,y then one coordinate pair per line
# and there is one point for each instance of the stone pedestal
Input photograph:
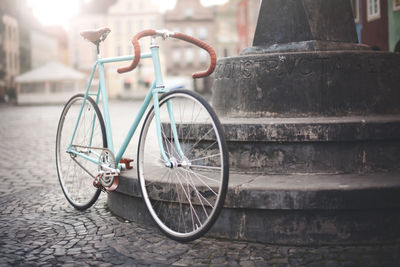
x,y
314,119
313,127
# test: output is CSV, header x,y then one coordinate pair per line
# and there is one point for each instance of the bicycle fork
x,y
169,161
158,87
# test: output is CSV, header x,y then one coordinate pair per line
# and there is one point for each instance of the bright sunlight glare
x,y
54,12
169,4
59,12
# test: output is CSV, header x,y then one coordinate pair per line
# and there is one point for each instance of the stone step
x,y
293,209
350,144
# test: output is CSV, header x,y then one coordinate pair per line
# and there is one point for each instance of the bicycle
x,y
184,182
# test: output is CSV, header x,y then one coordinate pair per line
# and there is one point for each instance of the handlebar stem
x,y
164,33
153,42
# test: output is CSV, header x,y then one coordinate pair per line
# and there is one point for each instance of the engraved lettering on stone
x,y
227,71
304,66
246,67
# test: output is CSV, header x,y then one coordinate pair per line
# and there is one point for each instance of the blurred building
x,y
246,17
50,83
378,23
374,17
356,8
394,25
9,47
191,18
125,18
25,44
226,28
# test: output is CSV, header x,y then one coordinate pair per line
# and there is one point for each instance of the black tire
x,y
76,183
184,200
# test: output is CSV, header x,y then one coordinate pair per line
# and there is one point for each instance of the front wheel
x,y
185,198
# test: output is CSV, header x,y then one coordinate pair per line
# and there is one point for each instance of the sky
x,y
58,12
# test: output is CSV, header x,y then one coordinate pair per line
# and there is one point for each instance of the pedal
x,y
127,163
114,184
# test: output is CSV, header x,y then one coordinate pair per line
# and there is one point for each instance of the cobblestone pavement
x,y
39,228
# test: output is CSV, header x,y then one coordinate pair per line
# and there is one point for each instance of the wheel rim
x,y
76,183
184,200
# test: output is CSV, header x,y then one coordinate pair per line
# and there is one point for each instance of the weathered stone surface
x,y
300,87
329,83
310,145
293,209
288,192
290,21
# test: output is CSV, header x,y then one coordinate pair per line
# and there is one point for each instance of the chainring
x,y
108,178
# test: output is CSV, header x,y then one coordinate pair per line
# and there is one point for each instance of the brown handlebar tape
x,y
177,35
136,47
203,45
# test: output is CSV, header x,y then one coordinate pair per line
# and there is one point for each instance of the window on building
x,y
189,31
176,55
203,56
130,50
189,55
373,9
203,32
117,27
129,27
62,86
29,88
226,52
127,84
242,16
355,5
11,62
188,12
10,30
396,5
118,51
8,63
153,23
129,6
15,62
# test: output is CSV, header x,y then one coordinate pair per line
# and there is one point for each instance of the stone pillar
x,y
313,124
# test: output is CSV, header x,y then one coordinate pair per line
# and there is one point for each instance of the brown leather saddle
x,y
95,36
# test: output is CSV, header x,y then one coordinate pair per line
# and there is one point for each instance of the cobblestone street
x,y
39,228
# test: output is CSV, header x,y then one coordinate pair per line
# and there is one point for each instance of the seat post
x,y
97,43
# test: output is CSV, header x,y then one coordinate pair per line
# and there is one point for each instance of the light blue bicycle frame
x,y
157,87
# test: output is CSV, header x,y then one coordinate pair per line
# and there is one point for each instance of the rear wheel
x,y
75,173
186,198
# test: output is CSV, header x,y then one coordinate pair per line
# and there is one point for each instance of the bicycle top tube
x,y
122,58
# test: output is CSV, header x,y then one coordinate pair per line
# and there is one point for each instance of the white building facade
x,y
125,18
10,42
